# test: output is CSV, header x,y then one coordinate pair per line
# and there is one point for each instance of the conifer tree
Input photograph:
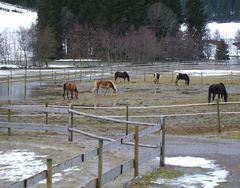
x,y
196,19
222,52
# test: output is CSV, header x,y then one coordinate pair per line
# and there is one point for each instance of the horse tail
x,y
188,81
76,90
114,86
64,88
94,88
209,94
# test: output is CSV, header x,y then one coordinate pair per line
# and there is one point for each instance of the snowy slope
x,y
13,17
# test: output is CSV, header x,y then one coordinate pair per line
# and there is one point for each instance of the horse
x,y
156,77
70,86
123,75
106,84
218,89
181,76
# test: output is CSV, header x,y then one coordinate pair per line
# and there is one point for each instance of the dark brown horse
x,y
70,86
123,75
106,84
217,89
181,76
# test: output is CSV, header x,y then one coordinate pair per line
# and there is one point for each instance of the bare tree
x,y
237,40
45,46
216,35
5,45
24,40
207,48
140,45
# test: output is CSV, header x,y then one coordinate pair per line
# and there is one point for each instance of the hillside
x,y
13,17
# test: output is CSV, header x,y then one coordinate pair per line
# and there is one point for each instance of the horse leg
x,y
64,94
213,96
176,82
71,94
106,89
67,94
209,97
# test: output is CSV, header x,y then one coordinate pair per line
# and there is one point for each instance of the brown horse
x,y
106,84
70,86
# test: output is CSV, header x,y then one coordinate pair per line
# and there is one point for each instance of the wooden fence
x,y
78,160
81,158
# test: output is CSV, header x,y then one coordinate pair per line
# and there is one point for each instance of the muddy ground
x,y
138,92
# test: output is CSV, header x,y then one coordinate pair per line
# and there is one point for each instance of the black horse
x,y
123,75
181,76
217,89
156,77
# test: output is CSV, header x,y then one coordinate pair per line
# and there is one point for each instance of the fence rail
x,y
81,158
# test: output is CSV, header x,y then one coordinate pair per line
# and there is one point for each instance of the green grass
x,y
165,172
230,135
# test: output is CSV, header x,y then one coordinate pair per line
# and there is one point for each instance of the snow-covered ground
x,y
15,17
16,165
211,177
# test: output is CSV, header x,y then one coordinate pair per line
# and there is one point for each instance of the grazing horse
x,y
123,75
217,89
70,86
156,77
106,84
181,76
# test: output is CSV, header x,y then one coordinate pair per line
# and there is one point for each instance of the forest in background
x,y
219,11
137,30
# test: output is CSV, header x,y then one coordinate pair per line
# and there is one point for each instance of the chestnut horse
x,y
106,84
70,86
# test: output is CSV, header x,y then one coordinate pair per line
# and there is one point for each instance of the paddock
x,y
137,101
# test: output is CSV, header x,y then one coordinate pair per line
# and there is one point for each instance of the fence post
x,y
136,151
46,120
25,84
126,119
40,76
231,78
201,77
49,173
70,121
218,116
162,142
80,74
55,77
9,117
172,77
8,86
100,151
144,76
102,72
46,105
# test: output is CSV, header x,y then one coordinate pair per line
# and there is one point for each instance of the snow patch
x,y
210,179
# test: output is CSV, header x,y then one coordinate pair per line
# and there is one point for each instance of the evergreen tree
x,y
222,52
175,6
196,18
